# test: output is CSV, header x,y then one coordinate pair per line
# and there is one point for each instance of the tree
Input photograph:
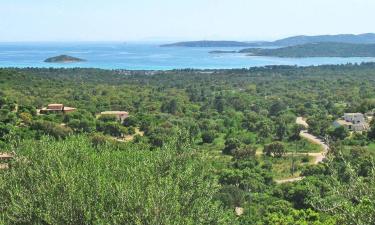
x,y
244,152
265,128
219,104
131,121
371,133
52,129
171,107
339,133
277,107
281,129
296,131
231,145
208,136
26,117
276,149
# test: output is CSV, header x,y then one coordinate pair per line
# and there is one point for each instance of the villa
x,y
120,115
355,122
56,108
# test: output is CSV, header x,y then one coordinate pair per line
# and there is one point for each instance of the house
x,y
355,118
353,121
56,108
120,115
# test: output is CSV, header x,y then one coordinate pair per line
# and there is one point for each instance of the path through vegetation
x,y
318,157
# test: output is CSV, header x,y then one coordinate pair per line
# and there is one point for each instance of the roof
x,y
69,108
55,104
353,114
114,113
360,127
344,122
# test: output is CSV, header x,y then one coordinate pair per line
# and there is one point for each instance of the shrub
x,y
208,136
276,149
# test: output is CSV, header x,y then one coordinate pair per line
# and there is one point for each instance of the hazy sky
x,y
126,20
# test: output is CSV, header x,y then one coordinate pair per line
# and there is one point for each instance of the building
x,y
353,121
355,118
57,108
120,115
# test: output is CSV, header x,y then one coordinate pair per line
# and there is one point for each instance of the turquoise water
x,y
141,56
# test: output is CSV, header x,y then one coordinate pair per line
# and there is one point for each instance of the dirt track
x,y
319,157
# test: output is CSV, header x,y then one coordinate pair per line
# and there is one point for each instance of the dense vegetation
x,y
326,49
197,145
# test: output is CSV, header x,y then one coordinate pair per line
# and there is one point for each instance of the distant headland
x,y
323,49
368,38
63,59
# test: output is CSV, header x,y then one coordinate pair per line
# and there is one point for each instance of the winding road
x,y
319,157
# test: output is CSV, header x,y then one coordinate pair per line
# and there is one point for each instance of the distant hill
x,y
325,49
290,41
342,38
63,59
204,44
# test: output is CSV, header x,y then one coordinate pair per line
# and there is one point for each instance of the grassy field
x,y
302,146
282,167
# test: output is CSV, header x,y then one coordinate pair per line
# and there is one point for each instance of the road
x,y
319,157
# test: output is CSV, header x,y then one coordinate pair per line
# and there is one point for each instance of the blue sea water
x,y
145,56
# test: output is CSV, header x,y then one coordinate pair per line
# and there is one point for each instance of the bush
x,y
208,136
276,149
52,129
245,152
231,145
130,122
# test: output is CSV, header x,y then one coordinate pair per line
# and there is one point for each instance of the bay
x,y
145,56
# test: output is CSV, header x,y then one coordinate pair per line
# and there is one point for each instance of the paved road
x,y
319,157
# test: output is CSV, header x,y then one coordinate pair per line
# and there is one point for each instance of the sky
x,y
160,20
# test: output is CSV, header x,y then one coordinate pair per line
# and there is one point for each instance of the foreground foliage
x,y
71,182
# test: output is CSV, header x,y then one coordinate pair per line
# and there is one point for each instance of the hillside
x,y
368,38
327,49
63,59
342,38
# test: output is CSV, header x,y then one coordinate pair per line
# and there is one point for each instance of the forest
x,y
198,147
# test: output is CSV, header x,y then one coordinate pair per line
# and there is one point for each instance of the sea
x,y
145,56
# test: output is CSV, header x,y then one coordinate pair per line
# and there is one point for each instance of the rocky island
x,y
222,52
63,59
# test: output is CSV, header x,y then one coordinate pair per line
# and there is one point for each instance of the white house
x,y
353,121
